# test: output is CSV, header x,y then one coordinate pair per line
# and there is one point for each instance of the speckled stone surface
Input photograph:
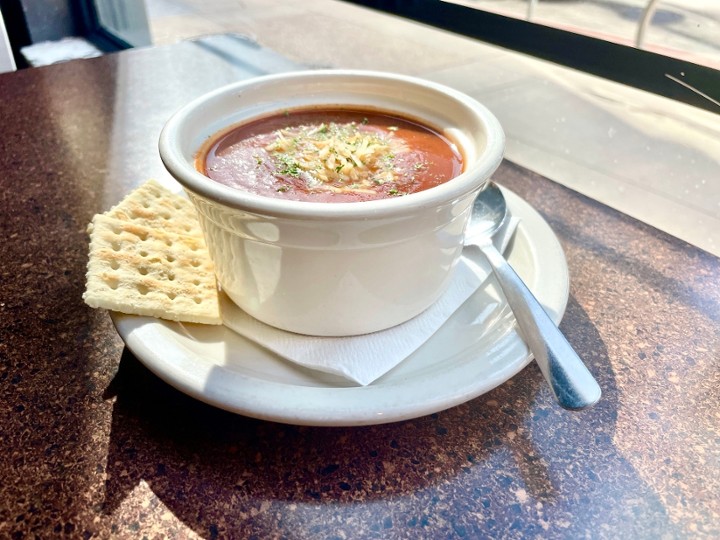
x,y
94,445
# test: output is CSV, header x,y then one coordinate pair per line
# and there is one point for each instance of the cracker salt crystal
x,y
141,265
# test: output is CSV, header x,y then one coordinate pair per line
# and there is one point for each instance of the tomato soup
x,y
330,155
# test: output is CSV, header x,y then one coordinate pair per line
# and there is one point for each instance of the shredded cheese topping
x,y
340,157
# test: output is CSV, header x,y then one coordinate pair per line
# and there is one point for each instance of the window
x,y
123,22
671,48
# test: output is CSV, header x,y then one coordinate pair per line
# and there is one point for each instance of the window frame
x,y
96,32
673,78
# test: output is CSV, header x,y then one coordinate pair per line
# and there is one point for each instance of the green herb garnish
x,y
289,166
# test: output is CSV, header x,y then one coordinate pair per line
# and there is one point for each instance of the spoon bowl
x,y
489,212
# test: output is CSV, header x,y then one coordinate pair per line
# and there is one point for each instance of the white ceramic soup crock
x,y
334,269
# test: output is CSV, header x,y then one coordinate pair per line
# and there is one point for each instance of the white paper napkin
x,y
363,359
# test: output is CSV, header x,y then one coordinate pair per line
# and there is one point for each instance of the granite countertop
x,y
94,445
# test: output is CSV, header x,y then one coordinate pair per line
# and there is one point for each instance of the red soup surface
x,y
330,155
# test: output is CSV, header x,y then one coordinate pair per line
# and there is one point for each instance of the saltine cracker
x,y
148,257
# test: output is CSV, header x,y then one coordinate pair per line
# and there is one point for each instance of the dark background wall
x,y
34,21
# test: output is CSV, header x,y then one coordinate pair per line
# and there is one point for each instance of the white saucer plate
x,y
461,361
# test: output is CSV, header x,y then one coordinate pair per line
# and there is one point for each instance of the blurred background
x,y
687,29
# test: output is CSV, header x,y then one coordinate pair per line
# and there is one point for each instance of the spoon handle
x,y
570,381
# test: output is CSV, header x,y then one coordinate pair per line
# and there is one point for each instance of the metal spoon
x,y
571,382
